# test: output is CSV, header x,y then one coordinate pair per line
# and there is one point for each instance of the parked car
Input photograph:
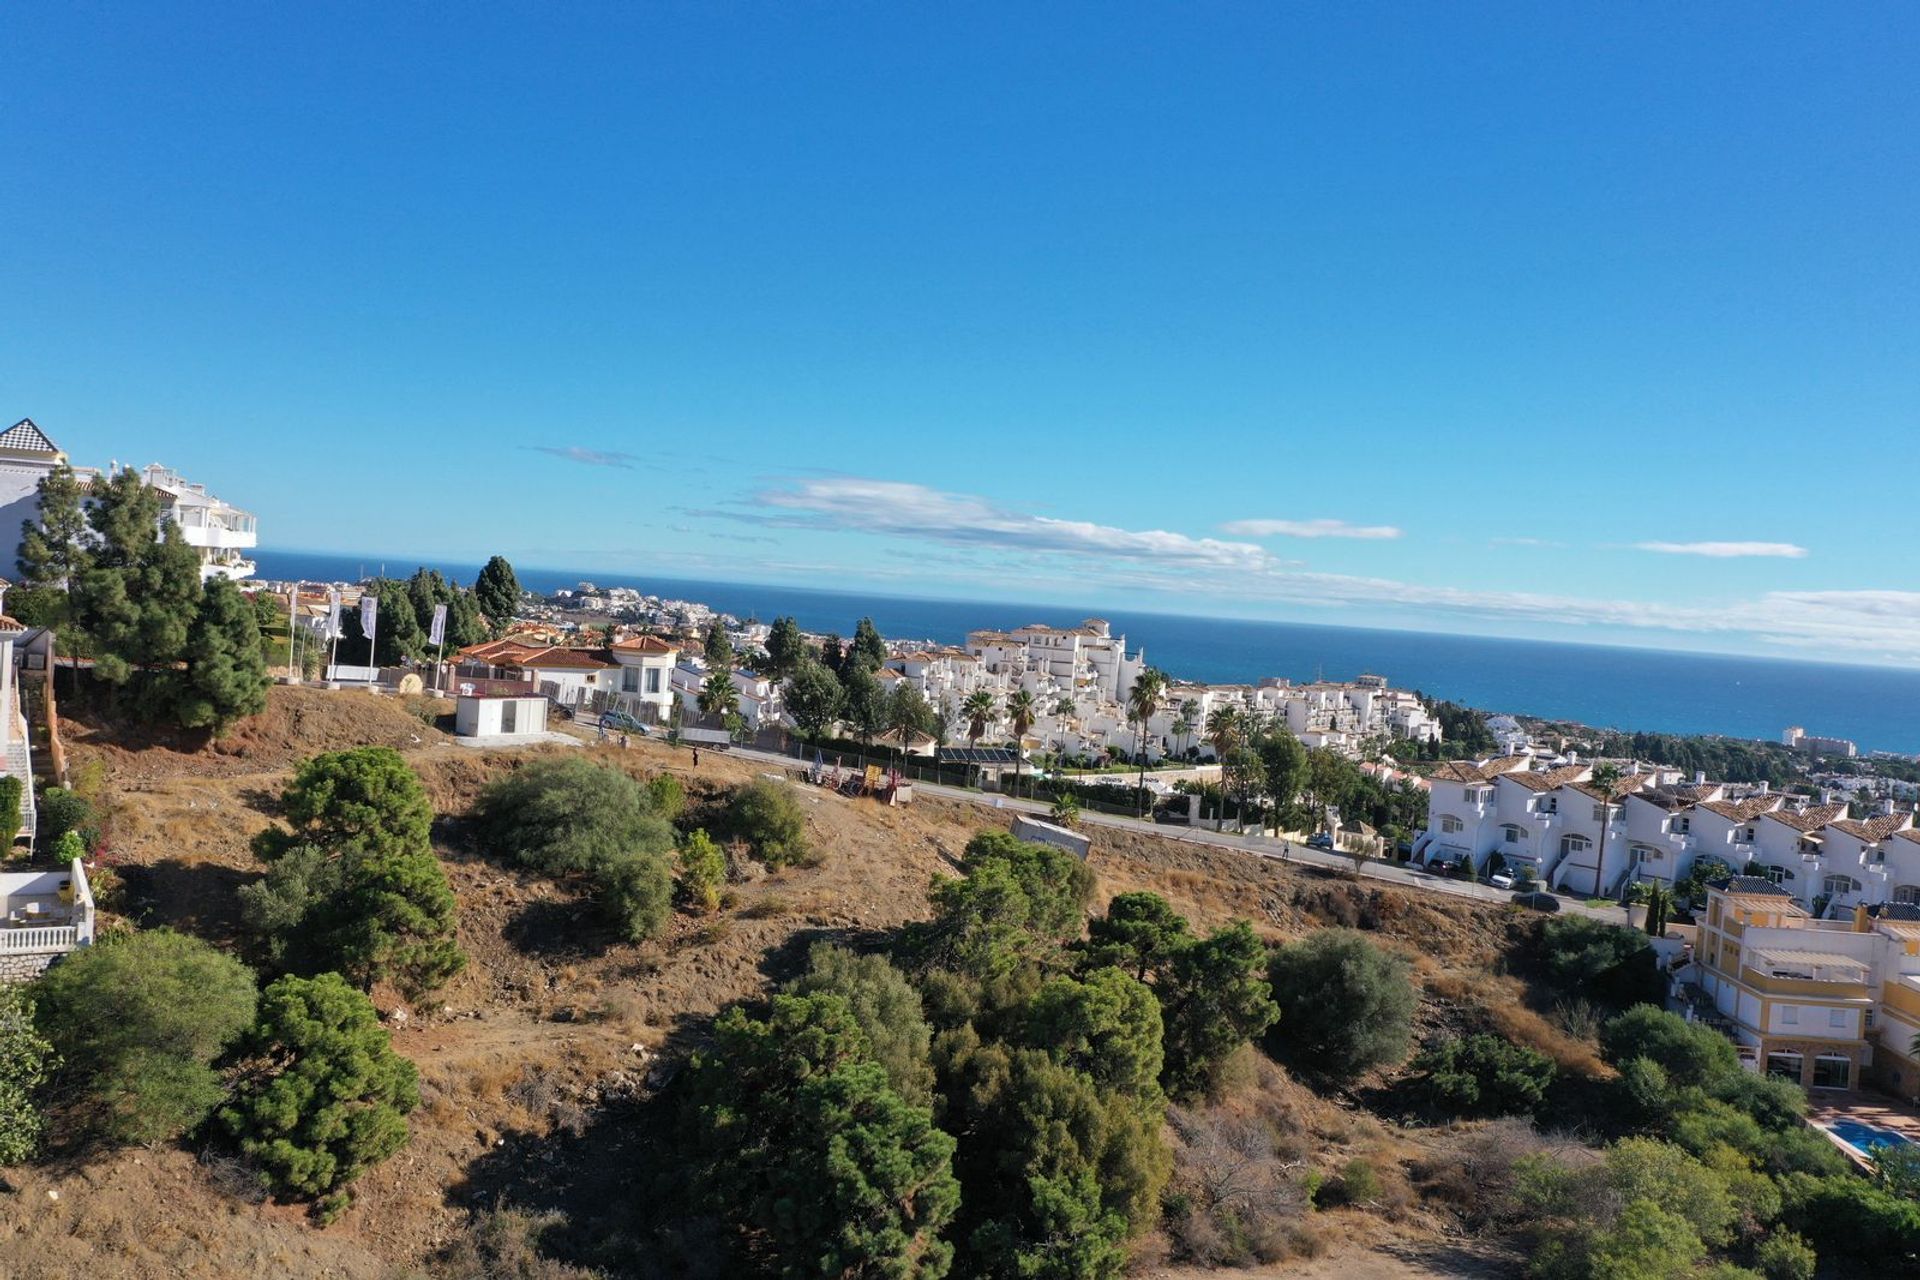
x,y
1537,901
1501,880
1320,840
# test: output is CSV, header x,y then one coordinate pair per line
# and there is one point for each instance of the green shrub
x,y
1690,1053
1346,1005
1484,1075
26,1058
766,815
12,792
668,797
62,811
1609,964
703,871
885,1005
330,1096
1785,1256
138,1025
576,816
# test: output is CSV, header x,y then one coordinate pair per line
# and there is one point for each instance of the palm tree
x,y
718,697
1063,710
979,708
1605,778
1020,712
1184,725
1223,731
1142,701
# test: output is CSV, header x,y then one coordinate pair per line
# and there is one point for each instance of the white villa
x,y
221,532
1549,821
633,676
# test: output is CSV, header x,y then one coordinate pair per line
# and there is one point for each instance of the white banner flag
x,y
369,613
333,615
437,633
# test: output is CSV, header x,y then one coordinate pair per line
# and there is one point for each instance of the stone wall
x,y
26,966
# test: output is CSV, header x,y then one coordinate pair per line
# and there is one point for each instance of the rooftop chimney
x,y
1699,777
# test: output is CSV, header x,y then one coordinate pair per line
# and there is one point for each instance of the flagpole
x,y
333,637
293,659
373,633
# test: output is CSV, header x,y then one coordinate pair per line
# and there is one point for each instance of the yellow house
x,y
1799,993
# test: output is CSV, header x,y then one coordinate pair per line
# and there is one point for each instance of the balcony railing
x,y
38,939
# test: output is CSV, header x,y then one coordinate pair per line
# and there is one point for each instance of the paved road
x,y
1255,846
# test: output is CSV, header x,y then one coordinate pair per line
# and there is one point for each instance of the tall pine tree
x,y
140,594
53,549
497,591
226,665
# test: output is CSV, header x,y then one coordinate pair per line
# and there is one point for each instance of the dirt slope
x,y
553,1021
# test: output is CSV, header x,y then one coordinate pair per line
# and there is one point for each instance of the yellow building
x,y
1800,995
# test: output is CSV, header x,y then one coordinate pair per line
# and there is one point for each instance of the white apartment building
x,y
26,456
221,532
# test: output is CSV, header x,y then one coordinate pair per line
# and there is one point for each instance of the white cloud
x,y
916,511
1726,550
1307,529
1877,625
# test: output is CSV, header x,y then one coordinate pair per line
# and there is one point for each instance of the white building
x,y
43,916
221,532
26,457
500,717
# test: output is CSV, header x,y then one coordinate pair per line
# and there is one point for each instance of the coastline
x,y
1634,689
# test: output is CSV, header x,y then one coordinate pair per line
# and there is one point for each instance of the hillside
x,y
533,1058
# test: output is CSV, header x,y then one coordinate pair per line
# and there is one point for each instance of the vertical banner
x,y
369,613
437,633
333,615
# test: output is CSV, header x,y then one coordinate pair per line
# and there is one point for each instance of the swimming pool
x,y
1865,1137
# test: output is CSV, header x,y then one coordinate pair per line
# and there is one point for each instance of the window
x,y
629,680
1683,825
1831,1073
1785,1066
653,679
1574,845
1907,893
1837,1019
1837,885
1451,825
1550,804
1869,1019
1774,875
1513,833
509,712
1599,813
1789,1015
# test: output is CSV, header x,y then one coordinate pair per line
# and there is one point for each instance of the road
x,y
1407,877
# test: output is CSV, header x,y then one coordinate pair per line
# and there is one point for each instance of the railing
x,y
44,938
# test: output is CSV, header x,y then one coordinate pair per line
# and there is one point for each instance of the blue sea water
x,y
1636,689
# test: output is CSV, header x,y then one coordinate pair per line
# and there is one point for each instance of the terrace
x,y
43,915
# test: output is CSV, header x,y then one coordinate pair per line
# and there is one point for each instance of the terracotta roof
x,y
1530,779
1458,771
1874,830
557,659
1810,819
1623,786
1744,810
1909,833
1669,798
645,644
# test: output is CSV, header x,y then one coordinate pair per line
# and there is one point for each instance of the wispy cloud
x,y
1307,529
1526,542
587,457
1726,550
1874,625
917,511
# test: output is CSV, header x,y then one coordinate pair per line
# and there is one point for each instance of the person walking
x,y
696,757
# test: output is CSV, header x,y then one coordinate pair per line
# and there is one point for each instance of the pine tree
x,y
330,1097
53,549
226,665
786,648
718,647
140,592
868,648
397,633
497,591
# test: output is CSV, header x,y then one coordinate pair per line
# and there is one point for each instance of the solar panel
x,y
977,755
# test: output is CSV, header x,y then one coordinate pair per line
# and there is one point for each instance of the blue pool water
x,y
1865,1136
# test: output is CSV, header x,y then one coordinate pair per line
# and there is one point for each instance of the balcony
x,y
43,914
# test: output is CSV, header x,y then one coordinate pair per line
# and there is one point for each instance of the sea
x,y
1609,686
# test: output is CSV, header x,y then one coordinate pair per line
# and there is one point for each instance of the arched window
x,y
1574,844
1451,825
1836,885
1908,893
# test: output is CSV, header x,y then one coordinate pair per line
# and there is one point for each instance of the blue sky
x,y
1575,322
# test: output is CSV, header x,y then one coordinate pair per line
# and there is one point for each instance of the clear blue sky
x,y
1552,301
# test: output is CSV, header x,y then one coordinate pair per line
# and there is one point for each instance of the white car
x,y
1501,880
